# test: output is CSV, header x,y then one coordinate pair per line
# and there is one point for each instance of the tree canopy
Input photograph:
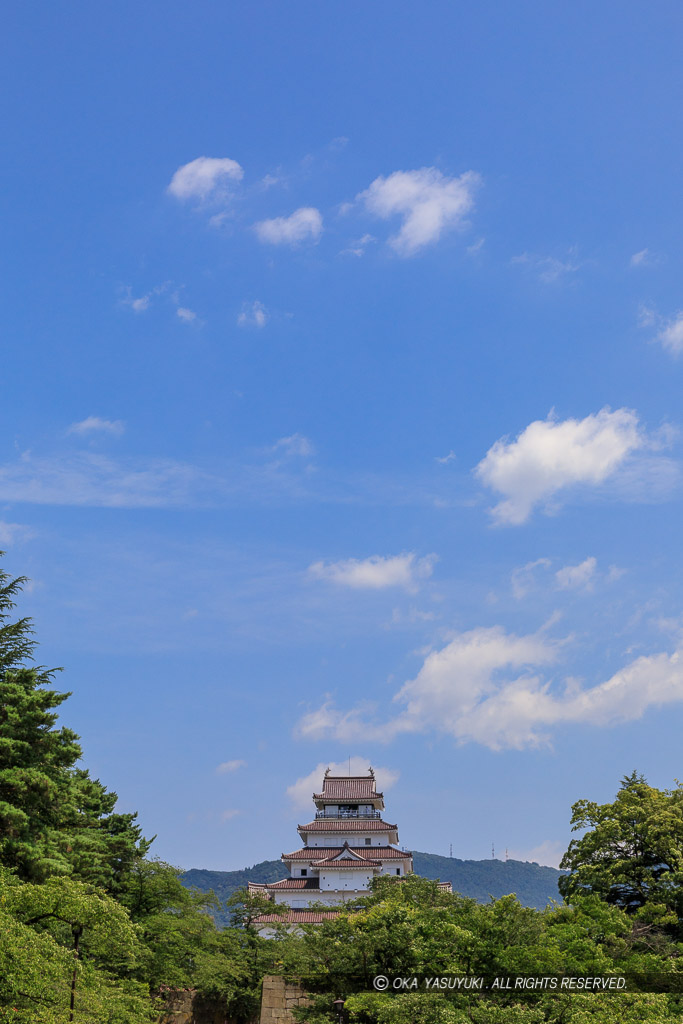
x,y
631,855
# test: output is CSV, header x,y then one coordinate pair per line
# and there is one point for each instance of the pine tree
x,y
54,819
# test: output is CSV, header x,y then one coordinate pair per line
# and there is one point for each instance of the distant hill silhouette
x,y
533,884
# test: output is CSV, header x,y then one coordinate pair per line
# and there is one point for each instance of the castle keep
x,y
345,845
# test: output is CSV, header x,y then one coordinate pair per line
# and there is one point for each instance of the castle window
x,y
368,842
398,871
304,871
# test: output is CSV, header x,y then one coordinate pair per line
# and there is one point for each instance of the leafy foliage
x,y
632,854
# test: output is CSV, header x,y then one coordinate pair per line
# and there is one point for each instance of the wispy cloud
x,y
583,576
550,456
205,178
428,202
188,316
305,224
487,686
90,479
644,258
671,335
377,572
445,459
549,268
142,303
295,444
254,314
523,578
227,767
97,425
358,246
549,852
11,533
578,577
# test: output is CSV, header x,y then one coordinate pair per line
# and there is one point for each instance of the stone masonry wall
x,y
278,999
185,1006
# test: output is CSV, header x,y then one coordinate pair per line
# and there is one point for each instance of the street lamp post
x,y
339,1007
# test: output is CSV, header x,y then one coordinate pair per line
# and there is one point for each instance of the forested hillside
x,y
534,885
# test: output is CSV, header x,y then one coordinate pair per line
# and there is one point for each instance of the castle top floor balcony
x,y
347,812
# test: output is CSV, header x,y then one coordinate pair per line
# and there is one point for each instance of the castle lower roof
x,y
346,863
380,852
347,825
294,883
297,917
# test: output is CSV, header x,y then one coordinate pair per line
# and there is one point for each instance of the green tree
x,y
54,819
631,855
68,952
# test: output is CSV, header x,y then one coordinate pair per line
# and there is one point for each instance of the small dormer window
x,y
368,842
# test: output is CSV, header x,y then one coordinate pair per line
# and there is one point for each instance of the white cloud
x,y
295,444
205,178
523,579
376,572
270,180
10,533
549,268
97,425
306,223
230,766
301,791
577,577
186,315
646,316
89,479
229,814
254,314
671,335
643,258
412,616
550,456
428,201
485,687
358,246
549,853
143,302
139,305
444,459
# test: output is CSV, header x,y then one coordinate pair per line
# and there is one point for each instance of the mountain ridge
x,y
535,885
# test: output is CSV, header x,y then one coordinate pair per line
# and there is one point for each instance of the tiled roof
x,y
348,787
295,883
297,917
346,862
347,825
380,852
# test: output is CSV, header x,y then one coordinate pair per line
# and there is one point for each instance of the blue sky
x,y
342,362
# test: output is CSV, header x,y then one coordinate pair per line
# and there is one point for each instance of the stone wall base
x,y
185,1006
278,999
